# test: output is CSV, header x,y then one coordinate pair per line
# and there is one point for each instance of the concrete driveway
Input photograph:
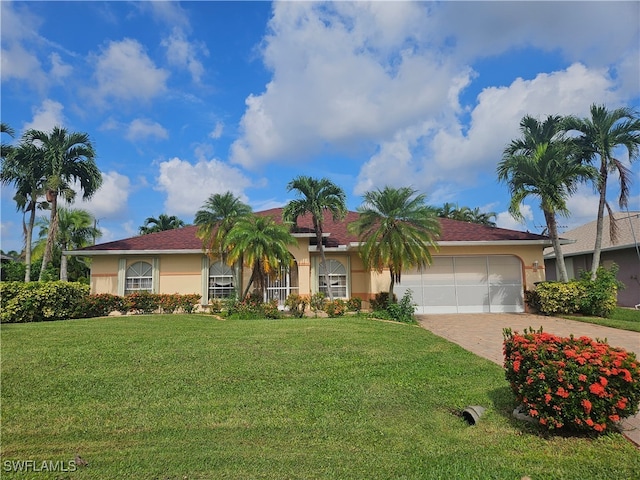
x,y
481,333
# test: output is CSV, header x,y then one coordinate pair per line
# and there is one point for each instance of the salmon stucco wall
x,y
180,274
104,275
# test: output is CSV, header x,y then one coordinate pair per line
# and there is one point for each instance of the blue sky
x,y
184,100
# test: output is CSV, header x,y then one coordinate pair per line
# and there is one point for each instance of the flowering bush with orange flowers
x,y
572,383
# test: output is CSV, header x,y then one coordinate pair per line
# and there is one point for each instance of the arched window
x,y
337,279
139,278
221,283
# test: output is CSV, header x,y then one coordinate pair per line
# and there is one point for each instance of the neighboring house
x,y
624,252
477,268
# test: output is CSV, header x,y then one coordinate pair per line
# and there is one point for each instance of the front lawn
x,y
622,318
190,397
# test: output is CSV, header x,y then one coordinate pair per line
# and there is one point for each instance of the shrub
x,y
558,297
142,302
404,310
589,297
296,305
335,308
571,383
600,295
252,307
188,302
39,301
354,304
317,303
381,301
216,305
102,304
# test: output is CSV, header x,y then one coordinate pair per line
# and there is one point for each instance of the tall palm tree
x,y
75,230
216,217
214,220
162,223
316,198
550,174
263,244
23,169
600,136
67,157
396,229
5,148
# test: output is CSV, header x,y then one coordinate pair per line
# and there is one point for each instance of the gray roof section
x,y
585,236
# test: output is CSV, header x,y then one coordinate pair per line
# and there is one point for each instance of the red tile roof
x,y
185,238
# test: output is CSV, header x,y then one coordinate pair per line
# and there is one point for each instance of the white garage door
x,y
470,284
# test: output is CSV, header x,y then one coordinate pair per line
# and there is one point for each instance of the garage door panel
x,y
439,296
469,284
440,272
470,270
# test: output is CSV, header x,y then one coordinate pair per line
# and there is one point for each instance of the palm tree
x,y
263,244
160,224
396,229
75,230
66,157
600,136
317,197
549,173
5,149
216,217
466,214
23,169
214,220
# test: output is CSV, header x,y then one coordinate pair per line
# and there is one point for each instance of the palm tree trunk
x,y
63,266
597,248
53,230
557,248
27,242
391,285
324,264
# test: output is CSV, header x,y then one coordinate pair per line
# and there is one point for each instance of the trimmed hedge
x,y
585,296
41,301
571,383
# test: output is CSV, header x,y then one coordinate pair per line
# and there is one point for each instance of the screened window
x,y
139,278
221,281
337,279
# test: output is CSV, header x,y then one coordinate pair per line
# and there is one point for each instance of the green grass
x,y
622,318
190,397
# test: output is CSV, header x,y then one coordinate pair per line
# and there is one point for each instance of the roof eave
x,y
96,253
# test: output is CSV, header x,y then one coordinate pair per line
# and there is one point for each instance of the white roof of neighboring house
x,y
628,224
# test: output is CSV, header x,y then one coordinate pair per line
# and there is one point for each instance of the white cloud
x,y
110,201
598,32
217,131
142,129
124,71
46,116
182,53
17,63
59,69
188,185
505,220
347,74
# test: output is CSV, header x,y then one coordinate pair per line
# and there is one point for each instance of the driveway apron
x,y
481,333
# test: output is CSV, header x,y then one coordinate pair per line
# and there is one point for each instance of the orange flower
x,y
586,404
597,389
582,377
